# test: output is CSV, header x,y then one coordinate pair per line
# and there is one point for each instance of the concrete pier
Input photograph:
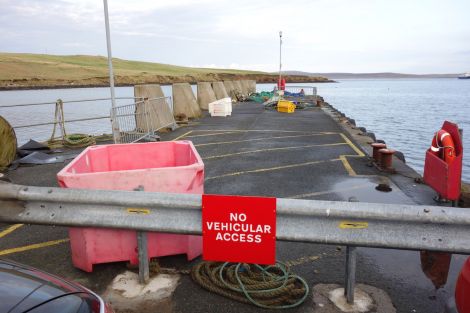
x,y
205,95
184,101
312,154
219,90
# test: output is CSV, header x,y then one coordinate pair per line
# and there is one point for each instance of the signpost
x,y
239,229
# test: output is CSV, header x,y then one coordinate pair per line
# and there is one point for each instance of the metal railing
x,y
60,103
306,90
345,223
303,96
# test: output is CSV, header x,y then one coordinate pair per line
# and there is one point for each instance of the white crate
x,y
222,107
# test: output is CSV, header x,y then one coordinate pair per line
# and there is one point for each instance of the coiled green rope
x,y
77,140
269,287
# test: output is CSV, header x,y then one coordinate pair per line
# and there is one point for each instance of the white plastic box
x,y
222,107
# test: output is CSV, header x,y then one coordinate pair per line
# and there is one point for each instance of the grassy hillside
x,y
23,70
22,65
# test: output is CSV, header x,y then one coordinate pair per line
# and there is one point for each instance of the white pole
x,y
111,74
280,58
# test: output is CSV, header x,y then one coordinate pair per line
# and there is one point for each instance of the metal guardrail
x,y
344,223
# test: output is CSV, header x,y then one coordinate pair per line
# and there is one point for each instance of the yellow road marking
x,y
356,149
33,246
353,225
10,230
273,149
255,139
138,211
347,166
214,134
325,192
183,135
271,169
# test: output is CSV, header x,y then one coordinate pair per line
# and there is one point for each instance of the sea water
x,y
403,112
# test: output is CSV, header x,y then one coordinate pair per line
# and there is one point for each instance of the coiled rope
x,y
7,143
70,140
269,287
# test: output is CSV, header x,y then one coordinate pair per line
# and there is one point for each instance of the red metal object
x,y
445,178
386,158
462,289
376,146
281,84
435,266
239,229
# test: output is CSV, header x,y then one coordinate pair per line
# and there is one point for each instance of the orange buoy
x,y
443,146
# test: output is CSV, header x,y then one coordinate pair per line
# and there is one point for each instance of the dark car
x,y
26,289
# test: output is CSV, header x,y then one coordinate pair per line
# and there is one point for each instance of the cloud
x,y
319,35
264,67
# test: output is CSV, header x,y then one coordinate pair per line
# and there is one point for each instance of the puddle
x,y
405,267
428,272
363,189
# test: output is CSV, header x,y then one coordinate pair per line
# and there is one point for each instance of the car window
x,y
72,303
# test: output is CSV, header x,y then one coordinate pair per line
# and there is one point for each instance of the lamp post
x,y
280,59
111,74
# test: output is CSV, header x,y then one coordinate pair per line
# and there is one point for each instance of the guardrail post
x,y
142,252
143,257
350,275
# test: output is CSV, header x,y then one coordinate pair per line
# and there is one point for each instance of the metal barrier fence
x,y
141,120
306,90
301,95
127,120
345,223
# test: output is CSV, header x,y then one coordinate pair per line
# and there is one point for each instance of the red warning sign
x,y
239,229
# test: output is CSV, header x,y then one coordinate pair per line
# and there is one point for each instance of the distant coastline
x,y
371,75
42,71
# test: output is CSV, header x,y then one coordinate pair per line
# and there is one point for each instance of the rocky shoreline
x,y
123,81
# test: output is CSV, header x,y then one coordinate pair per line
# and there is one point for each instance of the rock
x,y
371,135
400,156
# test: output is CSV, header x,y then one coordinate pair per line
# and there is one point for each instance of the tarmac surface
x,y
305,155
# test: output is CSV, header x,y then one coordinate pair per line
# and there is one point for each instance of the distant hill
x,y
26,70
371,75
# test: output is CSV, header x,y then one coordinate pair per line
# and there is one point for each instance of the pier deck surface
x,y
305,155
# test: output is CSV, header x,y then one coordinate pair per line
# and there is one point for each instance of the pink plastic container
x,y
173,166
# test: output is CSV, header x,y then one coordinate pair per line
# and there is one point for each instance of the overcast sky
x,y
409,36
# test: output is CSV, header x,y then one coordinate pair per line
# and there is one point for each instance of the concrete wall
x,y
238,86
219,90
245,87
205,95
251,86
184,101
229,87
160,113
